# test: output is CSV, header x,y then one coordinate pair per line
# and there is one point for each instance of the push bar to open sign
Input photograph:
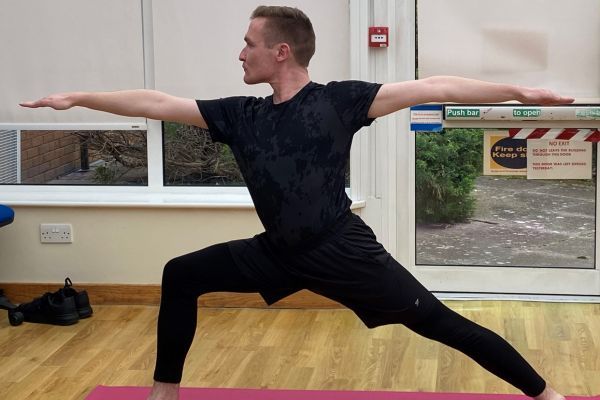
x,y
521,113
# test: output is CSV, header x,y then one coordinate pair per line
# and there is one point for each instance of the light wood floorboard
x,y
296,349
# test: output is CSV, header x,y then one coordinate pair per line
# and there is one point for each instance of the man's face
x,y
257,59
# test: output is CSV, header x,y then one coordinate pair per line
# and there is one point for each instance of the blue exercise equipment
x,y
7,216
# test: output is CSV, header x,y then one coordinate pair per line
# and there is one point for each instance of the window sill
x,y
141,197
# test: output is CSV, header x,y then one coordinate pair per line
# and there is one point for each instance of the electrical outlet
x,y
56,233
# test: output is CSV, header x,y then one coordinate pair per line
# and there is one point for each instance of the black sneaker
x,y
82,301
51,308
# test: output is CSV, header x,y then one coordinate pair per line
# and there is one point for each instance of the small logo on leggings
x,y
417,303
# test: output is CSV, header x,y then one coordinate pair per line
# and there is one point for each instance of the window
x,y
191,158
56,157
167,173
470,219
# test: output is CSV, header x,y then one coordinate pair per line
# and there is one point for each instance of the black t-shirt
x,y
293,155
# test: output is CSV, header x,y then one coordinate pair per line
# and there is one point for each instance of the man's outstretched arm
x,y
131,103
451,89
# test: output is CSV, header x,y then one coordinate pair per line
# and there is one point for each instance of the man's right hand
x,y
543,97
59,101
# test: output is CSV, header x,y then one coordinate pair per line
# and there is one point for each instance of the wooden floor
x,y
296,349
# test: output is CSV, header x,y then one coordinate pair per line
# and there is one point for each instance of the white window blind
x,y
67,45
9,156
549,43
196,46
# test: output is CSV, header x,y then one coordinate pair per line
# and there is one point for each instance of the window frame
x,y
154,194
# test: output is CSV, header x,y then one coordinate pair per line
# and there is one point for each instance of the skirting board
x,y
115,294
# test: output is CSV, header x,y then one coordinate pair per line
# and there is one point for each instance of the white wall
x,y
111,244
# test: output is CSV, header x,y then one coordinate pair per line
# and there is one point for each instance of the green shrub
x,y
447,164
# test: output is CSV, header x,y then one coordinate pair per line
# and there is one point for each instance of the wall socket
x,y
56,233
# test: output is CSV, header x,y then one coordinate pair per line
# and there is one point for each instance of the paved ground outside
x,y
123,176
518,222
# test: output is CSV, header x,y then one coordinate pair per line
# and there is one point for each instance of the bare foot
x,y
550,394
164,391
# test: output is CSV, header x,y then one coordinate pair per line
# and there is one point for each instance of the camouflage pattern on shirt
x,y
293,155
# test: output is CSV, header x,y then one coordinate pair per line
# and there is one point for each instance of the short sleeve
x,y
221,116
352,100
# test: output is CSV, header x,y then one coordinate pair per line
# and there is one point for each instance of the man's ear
x,y
283,52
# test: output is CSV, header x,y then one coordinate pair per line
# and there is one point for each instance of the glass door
x,y
492,211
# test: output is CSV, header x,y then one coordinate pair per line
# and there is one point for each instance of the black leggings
x,y
213,270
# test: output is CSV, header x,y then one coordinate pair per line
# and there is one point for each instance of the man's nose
x,y
242,56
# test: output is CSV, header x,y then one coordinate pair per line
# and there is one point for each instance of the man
x,y
292,148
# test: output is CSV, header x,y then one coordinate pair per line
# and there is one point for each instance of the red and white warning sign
x,y
574,134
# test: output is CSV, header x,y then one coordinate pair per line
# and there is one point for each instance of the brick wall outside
x,y
47,155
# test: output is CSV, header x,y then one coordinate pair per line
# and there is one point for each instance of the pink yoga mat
x,y
140,393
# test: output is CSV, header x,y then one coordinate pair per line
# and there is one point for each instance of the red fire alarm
x,y
378,36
